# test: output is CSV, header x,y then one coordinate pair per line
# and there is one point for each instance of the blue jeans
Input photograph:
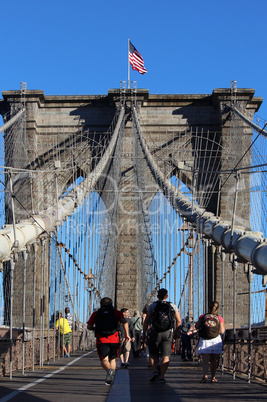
x,y
186,345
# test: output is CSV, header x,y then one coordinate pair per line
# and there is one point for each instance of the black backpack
x,y
105,321
209,327
163,316
186,327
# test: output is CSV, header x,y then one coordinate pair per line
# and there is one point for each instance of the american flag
x,y
136,60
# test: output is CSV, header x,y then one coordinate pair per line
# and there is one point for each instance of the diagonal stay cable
x,y
242,157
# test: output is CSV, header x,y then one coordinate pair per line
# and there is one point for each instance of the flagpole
x,y
128,63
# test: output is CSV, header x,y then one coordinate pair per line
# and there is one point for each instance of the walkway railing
x,y
44,348
250,355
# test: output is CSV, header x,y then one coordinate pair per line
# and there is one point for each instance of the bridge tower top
x,y
142,96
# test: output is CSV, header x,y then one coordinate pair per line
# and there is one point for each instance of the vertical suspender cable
x,y
250,279
34,304
169,259
165,225
173,251
234,264
206,276
42,308
75,240
79,275
175,248
184,276
91,236
77,278
213,250
161,225
195,242
163,245
57,238
56,341
12,267
86,273
165,228
44,296
174,243
41,303
83,287
157,218
63,268
159,265
204,242
23,309
61,289
49,298
198,278
181,240
71,234
223,260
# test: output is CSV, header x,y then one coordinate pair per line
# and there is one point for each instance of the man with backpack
x,y
163,320
105,324
187,330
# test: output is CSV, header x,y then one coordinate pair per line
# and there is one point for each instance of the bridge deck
x,y
80,378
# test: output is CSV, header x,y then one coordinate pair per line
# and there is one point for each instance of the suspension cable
x,y
13,120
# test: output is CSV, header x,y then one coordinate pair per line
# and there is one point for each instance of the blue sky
x,y
80,47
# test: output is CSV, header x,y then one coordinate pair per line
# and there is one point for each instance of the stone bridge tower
x,y
52,120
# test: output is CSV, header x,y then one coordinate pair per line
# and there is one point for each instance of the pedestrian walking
x,y
64,329
187,329
105,324
138,328
164,320
211,330
126,344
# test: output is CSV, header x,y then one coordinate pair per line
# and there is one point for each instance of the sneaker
x,y
127,364
110,377
162,381
154,376
122,364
